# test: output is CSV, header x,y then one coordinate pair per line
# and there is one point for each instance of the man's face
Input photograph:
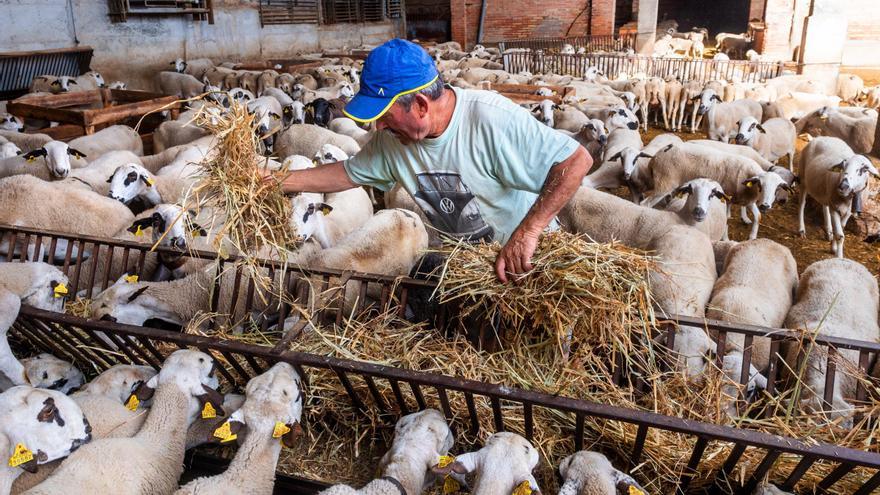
x,y
407,127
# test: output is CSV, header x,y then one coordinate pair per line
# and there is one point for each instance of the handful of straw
x,y
256,213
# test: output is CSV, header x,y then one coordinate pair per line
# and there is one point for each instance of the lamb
x,y
693,200
348,127
39,426
609,174
132,182
831,173
849,87
773,139
66,209
592,137
740,177
857,131
56,158
113,138
721,118
682,284
635,164
420,440
544,112
836,298
180,85
272,410
795,105
152,460
307,139
504,463
757,287
47,371
590,473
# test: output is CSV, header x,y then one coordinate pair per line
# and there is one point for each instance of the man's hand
x,y
516,256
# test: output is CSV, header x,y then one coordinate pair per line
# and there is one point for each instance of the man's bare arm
x,y
328,178
562,182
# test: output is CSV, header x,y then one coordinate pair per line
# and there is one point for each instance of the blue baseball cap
x,y
395,68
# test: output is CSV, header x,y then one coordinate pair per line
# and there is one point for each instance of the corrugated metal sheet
x,y
17,69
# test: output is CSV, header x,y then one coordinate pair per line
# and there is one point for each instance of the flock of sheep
x,y
103,185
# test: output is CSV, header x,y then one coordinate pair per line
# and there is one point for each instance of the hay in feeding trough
x,y
255,213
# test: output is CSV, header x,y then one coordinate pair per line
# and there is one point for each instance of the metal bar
x,y
497,417
417,393
579,432
728,467
444,403
398,396
759,472
691,469
245,376
830,371
834,476
638,446
870,485
472,413
355,399
374,391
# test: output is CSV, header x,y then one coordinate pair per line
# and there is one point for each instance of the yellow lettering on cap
x,y
280,430
20,455
60,290
131,278
208,411
224,433
524,488
133,403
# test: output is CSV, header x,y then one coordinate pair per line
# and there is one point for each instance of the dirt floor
x,y
781,224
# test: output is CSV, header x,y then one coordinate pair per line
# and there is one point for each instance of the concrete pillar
x,y
647,25
822,43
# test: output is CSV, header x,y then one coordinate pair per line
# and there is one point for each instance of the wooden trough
x,y
83,112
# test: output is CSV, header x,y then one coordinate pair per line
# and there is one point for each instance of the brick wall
x,y
512,19
863,33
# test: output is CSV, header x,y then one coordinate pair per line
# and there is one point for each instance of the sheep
x,y
655,95
267,122
132,182
849,87
634,164
266,79
872,101
675,100
616,117
399,198
91,80
544,112
66,209
693,200
117,85
113,138
27,142
609,174
740,177
291,111
272,410
795,105
757,287
47,371
835,298
592,137
857,131
590,473
216,76
348,127
180,85
152,460
734,44
737,149
721,117
321,111
770,110
504,463
8,149
569,118
773,139
11,123
39,426
178,132
58,159
307,139
831,173
683,281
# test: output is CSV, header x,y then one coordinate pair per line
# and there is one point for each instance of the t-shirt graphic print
x,y
450,206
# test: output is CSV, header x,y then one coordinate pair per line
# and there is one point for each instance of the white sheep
x,y
622,142
348,127
635,164
25,141
178,132
544,112
47,371
271,414
39,426
849,87
683,281
504,463
832,174
152,460
773,139
132,181
95,177
835,298
8,149
180,85
58,158
11,123
89,81
737,149
591,473
307,139
757,287
702,204
856,130
721,117
592,137
795,105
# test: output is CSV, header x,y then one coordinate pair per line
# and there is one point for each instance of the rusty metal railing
x,y
78,340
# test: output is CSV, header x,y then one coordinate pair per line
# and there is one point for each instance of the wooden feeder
x,y
83,112
525,93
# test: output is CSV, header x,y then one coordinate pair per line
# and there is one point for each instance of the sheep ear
x,y
324,208
75,153
213,398
198,231
760,128
839,167
683,191
143,391
137,293
720,195
274,116
33,155
626,484
716,98
142,224
563,466
615,157
667,148
294,432
644,155
49,413
750,182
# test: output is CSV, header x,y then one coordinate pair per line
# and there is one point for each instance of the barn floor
x,y
781,225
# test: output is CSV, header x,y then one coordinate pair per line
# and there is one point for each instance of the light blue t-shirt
x,y
479,178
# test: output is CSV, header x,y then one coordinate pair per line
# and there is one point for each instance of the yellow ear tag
x,y
31,159
196,233
131,279
60,290
450,485
208,411
20,455
150,182
224,433
325,210
748,184
445,460
138,232
523,488
635,491
133,403
280,430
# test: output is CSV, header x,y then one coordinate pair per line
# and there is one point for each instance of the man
x,y
481,167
